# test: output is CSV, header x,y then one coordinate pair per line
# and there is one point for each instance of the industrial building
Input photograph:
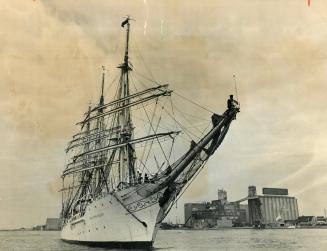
x,y
52,224
190,212
273,208
217,213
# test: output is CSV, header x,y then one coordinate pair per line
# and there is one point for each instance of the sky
x,y
51,55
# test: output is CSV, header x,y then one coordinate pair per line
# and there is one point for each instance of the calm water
x,y
233,239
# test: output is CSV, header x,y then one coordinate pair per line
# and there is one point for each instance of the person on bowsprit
x,y
231,103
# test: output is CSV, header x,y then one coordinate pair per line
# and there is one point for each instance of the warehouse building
x,y
52,224
273,208
190,212
217,213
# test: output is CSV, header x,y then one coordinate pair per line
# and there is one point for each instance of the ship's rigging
x,y
111,153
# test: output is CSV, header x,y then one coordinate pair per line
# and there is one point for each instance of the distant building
x,y
224,222
307,220
222,196
52,224
321,220
244,214
190,210
217,213
39,228
273,208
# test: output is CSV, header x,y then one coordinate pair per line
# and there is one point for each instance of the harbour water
x,y
224,239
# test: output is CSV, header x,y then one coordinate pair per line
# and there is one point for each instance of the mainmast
x,y
127,153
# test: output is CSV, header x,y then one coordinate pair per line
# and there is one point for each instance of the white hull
x,y
107,221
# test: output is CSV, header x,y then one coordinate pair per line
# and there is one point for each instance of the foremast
x,y
127,152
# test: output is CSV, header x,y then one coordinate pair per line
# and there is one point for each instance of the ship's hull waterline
x,y
108,223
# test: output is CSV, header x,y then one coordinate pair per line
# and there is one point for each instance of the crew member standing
x,y
230,102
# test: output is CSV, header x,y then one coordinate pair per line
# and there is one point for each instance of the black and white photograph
x,y
163,125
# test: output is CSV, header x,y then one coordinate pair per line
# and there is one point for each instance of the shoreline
x,y
240,228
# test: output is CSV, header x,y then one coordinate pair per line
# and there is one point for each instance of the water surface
x,y
171,240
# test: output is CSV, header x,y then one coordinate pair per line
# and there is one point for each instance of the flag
x,y
125,22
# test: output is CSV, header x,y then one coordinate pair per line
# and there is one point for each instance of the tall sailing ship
x,y
119,186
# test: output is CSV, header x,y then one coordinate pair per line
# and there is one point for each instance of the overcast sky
x,y
51,53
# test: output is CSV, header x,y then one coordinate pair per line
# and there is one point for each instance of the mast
x,y
101,103
100,140
127,153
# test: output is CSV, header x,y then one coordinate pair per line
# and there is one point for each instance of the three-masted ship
x,y
110,196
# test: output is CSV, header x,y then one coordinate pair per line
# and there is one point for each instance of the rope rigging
x,y
154,131
152,79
